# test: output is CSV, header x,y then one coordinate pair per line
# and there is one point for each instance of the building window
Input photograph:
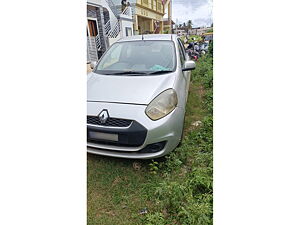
x,y
159,6
128,31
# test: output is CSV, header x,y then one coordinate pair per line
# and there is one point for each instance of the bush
x,y
211,49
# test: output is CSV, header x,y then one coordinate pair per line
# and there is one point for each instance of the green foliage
x,y
153,167
191,38
203,74
208,100
211,49
155,219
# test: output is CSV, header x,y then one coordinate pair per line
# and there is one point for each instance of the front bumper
x,y
131,136
133,140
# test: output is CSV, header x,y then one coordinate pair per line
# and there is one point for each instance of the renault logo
x,y
103,116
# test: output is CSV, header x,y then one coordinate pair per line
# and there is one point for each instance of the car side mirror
x,y
93,64
189,65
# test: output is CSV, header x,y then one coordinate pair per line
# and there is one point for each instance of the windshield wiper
x,y
161,72
125,72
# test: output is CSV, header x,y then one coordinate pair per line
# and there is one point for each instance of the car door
x,y
186,74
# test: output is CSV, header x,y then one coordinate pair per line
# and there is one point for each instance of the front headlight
x,y
162,105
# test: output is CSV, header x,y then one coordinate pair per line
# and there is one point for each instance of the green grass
x,y
175,191
115,190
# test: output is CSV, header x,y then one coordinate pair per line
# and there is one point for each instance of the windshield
x,y
138,58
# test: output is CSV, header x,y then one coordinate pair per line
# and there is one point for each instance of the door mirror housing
x,y
93,64
189,65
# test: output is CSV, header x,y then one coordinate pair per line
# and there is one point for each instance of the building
x,y
168,26
148,15
180,32
199,31
105,25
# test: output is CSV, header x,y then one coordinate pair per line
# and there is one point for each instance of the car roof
x,y
152,37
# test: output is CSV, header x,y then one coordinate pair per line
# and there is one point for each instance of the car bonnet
x,y
127,89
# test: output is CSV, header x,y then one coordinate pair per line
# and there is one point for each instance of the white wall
x,y
124,24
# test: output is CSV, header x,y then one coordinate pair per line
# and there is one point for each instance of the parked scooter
x,y
193,50
193,54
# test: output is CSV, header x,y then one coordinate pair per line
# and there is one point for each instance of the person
x,y
124,4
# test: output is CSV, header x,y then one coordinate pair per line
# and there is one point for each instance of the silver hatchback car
x,y
136,97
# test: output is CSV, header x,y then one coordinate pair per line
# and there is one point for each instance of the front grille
x,y
111,122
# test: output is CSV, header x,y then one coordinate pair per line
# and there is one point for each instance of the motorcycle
x,y
193,54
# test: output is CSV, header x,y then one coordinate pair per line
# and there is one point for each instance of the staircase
x,y
113,27
112,30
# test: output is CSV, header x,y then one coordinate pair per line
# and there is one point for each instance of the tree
x,y
189,24
184,27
